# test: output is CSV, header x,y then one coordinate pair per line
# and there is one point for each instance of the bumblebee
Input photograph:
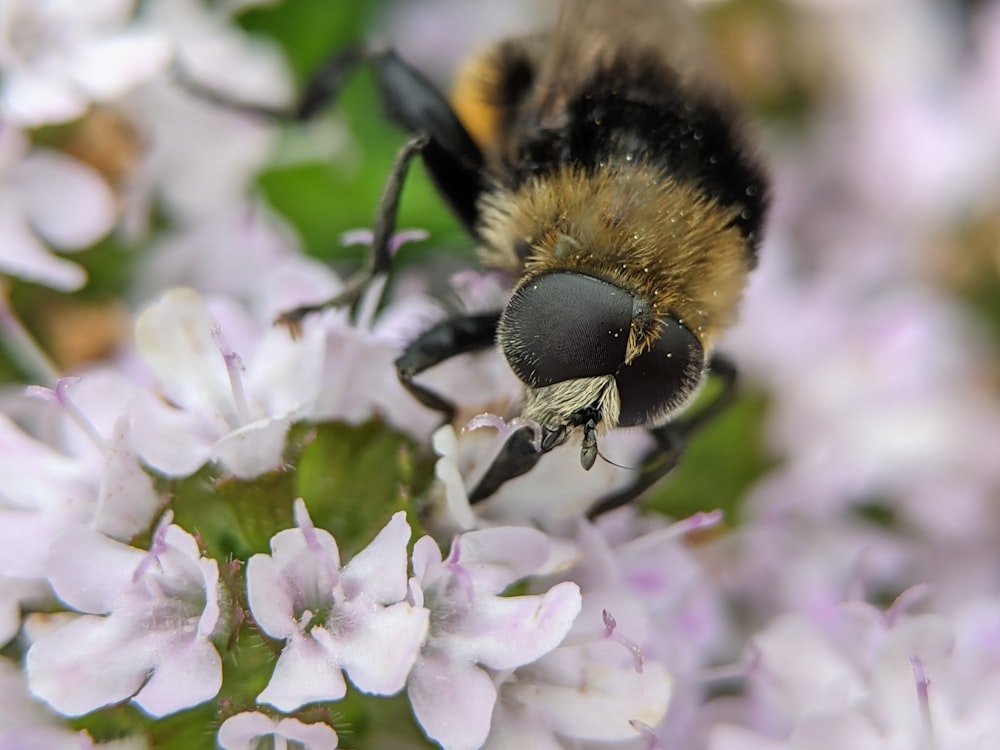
x,y
600,165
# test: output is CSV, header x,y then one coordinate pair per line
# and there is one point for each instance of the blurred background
x,y
863,455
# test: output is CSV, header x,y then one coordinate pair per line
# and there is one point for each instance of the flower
x,y
58,57
357,619
246,731
94,483
213,411
56,738
148,628
889,681
188,170
46,195
477,636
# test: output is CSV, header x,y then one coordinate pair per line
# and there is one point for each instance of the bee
x,y
602,166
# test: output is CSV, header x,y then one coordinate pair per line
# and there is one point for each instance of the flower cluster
x,y
216,534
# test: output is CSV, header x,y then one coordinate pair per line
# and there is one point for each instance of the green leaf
x,y
720,464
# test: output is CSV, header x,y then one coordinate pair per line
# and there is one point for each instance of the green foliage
x,y
352,478
721,463
321,200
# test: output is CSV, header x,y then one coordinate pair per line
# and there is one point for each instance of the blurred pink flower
x,y
56,58
148,628
47,198
876,681
188,170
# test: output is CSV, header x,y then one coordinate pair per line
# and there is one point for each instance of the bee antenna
x,y
607,460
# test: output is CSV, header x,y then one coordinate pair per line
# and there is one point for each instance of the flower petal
x,y
380,653
22,255
304,674
379,570
315,736
67,202
127,502
89,571
172,441
108,67
253,449
602,709
270,596
88,663
31,98
188,672
237,732
240,732
174,337
34,474
508,632
497,557
453,701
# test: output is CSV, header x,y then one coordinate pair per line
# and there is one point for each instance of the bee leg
x,y
320,91
380,257
517,456
449,338
409,100
672,439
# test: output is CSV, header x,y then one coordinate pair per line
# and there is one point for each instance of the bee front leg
x,y
672,439
449,338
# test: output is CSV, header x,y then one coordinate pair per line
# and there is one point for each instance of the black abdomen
x,y
635,112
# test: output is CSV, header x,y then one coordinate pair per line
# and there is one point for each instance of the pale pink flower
x,y
57,738
251,730
357,619
188,170
147,631
56,58
48,199
215,408
875,682
95,483
477,637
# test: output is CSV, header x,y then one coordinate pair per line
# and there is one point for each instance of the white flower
x,y
357,619
214,410
148,628
47,197
96,483
189,171
248,730
477,636
57,57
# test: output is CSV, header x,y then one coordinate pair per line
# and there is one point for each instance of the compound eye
x,y
661,379
564,325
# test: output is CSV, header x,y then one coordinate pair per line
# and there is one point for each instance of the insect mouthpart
x,y
588,450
